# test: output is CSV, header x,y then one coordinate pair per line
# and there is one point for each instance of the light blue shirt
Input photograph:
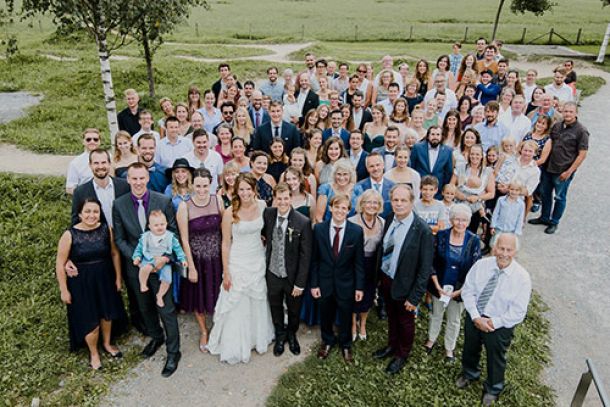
x,y
508,216
491,136
455,60
167,152
210,121
399,238
275,90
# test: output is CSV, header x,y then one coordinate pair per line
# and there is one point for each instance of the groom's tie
x,y
277,265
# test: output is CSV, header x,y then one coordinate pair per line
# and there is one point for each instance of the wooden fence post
x,y
410,33
551,35
197,29
578,36
355,32
465,35
523,35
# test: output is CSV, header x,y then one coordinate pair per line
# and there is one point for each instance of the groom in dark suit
x,y
405,264
288,245
337,275
130,218
432,157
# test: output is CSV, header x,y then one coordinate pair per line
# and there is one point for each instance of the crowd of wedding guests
x,y
314,196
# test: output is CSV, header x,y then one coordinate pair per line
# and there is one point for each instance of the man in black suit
x,y
337,275
405,261
360,114
288,237
129,118
306,97
258,114
357,155
130,214
102,187
276,128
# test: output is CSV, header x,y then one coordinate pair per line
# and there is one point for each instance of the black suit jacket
x,y
264,135
414,263
86,190
312,101
127,229
343,275
361,171
366,118
297,244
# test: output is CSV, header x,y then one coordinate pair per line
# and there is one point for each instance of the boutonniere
x,y
290,232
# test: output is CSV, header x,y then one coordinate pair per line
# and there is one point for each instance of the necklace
x,y
366,224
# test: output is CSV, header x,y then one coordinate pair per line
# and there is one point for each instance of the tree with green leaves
x,y
152,20
538,7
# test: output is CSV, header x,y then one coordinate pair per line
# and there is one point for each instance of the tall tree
x,y
104,20
151,20
538,7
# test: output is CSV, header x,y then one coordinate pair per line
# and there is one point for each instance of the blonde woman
x,y
184,118
368,210
242,126
343,179
124,154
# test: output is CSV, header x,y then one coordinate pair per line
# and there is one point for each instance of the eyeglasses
x,y
90,139
360,71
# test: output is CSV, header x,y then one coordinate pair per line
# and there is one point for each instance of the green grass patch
x,y
212,51
33,325
426,380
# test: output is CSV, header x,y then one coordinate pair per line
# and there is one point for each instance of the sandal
x,y
203,342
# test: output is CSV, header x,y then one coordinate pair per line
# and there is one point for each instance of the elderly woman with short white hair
x,y
455,251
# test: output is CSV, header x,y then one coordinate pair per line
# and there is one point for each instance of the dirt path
x,y
280,53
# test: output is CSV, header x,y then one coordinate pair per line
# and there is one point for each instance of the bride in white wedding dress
x,y
242,319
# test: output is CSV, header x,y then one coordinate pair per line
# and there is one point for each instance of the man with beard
x,y
203,157
558,88
492,132
272,86
102,187
258,114
146,155
430,157
360,115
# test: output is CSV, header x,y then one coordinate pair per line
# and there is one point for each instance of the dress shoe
x,y
462,382
152,347
535,208
396,365
538,221
383,353
382,313
293,344
429,349
171,364
348,357
550,229
488,399
324,351
278,348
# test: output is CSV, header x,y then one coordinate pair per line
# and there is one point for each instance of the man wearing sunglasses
x,y
79,171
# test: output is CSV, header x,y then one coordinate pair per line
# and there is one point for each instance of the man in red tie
x,y
337,275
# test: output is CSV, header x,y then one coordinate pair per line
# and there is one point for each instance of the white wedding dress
x,y
242,318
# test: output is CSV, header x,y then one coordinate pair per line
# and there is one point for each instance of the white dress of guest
x,y
242,318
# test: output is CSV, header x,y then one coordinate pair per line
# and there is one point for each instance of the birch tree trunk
x,y
602,49
109,99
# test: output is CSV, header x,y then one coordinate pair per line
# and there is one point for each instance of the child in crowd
x,y
428,208
449,191
491,158
509,213
157,241
507,163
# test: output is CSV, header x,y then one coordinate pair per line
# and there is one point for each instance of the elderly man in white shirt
x,y
496,294
172,146
79,171
515,120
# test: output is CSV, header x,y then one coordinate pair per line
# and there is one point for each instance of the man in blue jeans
x,y
570,142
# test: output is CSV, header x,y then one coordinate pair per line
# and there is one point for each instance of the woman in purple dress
x,y
199,221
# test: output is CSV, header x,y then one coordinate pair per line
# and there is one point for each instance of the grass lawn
x,y
33,326
426,380
297,20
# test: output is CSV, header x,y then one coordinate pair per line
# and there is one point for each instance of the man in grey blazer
x,y
405,261
128,227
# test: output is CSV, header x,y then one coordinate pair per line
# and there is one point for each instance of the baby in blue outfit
x,y
156,242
